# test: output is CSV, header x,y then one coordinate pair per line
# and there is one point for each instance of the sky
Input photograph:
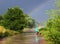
x,y
36,9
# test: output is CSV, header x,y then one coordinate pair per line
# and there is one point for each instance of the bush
x,y
6,32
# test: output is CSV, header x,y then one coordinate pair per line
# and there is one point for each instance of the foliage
x,y
53,26
6,32
42,29
16,19
52,34
1,17
29,21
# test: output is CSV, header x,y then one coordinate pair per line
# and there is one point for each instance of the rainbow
x,y
38,7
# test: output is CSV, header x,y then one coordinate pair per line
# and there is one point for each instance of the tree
x,y
1,17
30,22
53,26
15,19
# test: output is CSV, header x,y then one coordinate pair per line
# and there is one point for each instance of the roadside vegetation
x,y
52,30
7,32
14,20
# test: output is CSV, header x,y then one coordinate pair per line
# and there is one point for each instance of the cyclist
x,y
37,31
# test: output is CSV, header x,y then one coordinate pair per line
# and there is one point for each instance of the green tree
x,y
30,22
15,19
1,17
53,26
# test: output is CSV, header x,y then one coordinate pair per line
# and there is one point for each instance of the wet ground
x,y
24,38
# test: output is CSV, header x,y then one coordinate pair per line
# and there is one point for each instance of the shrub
x,y
6,32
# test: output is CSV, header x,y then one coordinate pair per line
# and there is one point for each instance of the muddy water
x,y
24,38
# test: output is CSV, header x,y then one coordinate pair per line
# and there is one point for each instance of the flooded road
x,y
24,38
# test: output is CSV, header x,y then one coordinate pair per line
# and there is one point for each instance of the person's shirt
x,y
37,30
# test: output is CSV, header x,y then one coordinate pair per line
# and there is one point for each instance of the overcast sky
x,y
34,8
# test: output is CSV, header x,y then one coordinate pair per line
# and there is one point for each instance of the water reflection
x,y
37,38
25,38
